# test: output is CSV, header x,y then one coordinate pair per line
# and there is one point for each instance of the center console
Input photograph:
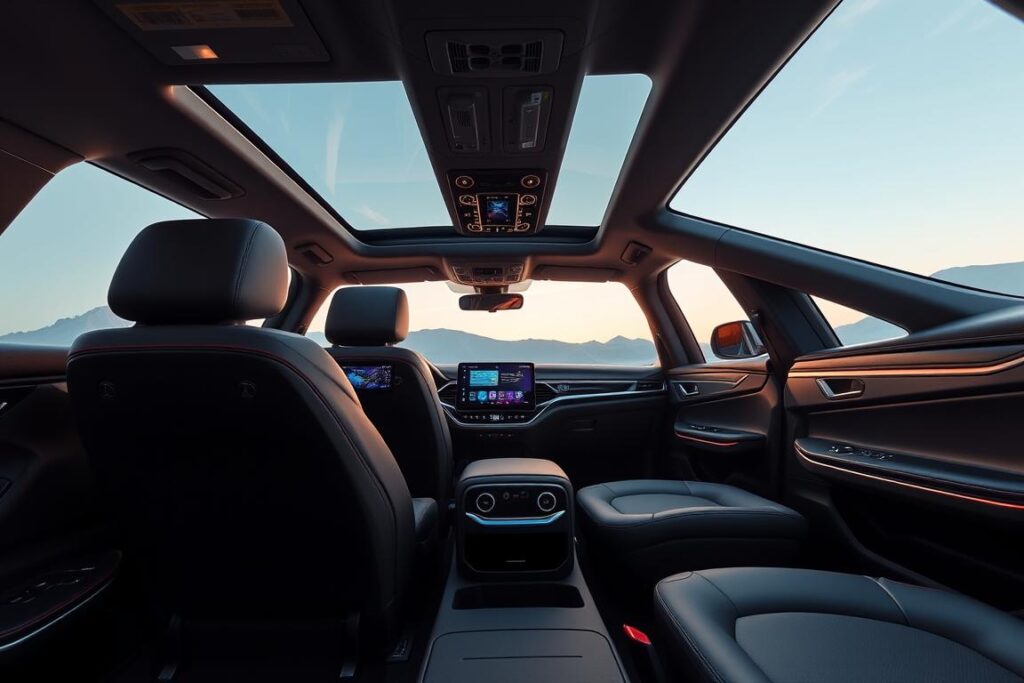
x,y
516,606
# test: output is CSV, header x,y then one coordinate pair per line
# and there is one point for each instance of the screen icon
x,y
501,395
492,395
481,396
519,396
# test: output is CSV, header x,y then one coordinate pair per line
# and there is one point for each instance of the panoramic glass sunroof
x,y
607,114
356,144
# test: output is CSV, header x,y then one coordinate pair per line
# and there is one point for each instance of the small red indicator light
x,y
636,635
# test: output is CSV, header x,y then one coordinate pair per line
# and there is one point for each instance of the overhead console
x,y
498,202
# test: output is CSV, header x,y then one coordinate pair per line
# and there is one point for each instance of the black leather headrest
x,y
205,271
367,316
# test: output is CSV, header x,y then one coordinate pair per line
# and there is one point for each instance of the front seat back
x,y
247,479
363,323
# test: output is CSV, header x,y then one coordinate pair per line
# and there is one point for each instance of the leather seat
x,y
363,324
660,527
246,478
769,625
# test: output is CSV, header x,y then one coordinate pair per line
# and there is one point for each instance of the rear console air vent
x,y
494,53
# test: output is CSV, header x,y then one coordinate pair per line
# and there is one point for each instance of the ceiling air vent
x,y
531,56
495,53
458,57
513,57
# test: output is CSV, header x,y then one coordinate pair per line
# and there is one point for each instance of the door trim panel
x,y
964,482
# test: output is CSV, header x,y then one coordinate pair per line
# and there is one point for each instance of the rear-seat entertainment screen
x,y
369,377
495,386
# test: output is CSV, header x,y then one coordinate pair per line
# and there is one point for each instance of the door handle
x,y
687,389
841,388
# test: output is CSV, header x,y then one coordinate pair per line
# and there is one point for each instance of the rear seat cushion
x,y
643,512
661,527
767,625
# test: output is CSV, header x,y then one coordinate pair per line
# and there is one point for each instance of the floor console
x,y
516,606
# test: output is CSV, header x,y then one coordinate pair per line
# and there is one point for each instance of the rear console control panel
x,y
498,202
514,520
529,503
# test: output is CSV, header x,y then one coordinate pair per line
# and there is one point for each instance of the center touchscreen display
x,y
495,386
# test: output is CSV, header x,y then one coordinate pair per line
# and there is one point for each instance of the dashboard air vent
x,y
448,394
650,385
544,393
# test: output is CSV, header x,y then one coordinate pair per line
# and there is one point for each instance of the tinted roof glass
x,y
356,144
607,114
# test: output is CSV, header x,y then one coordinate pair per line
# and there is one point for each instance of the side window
x,y
853,327
58,255
704,300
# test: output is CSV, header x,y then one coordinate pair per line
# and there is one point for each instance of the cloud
x,y
837,85
955,17
332,148
851,11
374,216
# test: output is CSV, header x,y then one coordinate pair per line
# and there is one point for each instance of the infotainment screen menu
x,y
495,386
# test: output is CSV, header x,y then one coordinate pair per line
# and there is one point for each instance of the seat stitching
x,y
892,597
728,512
239,274
704,661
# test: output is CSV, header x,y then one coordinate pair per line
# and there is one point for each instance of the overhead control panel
x,y
490,202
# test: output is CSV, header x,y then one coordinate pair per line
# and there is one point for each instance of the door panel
x,y
921,466
50,530
725,423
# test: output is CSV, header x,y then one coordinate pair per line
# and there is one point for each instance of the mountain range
x,y
444,347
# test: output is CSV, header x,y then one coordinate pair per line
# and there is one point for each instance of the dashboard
x,y
486,395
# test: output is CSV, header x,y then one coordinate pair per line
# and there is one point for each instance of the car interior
x,y
445,341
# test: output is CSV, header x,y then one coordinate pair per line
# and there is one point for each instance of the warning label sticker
x,y
170,16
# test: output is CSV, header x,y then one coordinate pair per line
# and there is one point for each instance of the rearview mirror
x,y
491,302
736,340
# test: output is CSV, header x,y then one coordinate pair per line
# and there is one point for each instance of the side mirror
x,y
736,340
491,302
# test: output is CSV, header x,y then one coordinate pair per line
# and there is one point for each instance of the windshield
x,y
560,322
895,135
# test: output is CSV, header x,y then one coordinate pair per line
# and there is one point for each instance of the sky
x,y
895,135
